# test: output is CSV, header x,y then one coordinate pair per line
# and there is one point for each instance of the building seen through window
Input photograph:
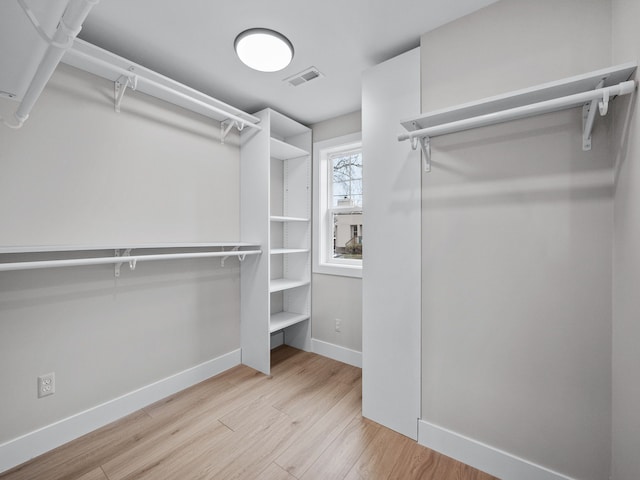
x,y
346,203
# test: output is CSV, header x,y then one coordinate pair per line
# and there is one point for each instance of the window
x,y
338,206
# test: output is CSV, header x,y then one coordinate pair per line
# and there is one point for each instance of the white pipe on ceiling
x,y
68,28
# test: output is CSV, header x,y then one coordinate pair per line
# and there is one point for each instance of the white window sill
x,y
340,270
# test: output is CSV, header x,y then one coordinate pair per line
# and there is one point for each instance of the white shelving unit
x,y
276,212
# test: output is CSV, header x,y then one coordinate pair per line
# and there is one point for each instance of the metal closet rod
x,y
137,79
623,88
131,259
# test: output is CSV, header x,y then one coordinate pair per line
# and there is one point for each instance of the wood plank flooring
x,y
303,422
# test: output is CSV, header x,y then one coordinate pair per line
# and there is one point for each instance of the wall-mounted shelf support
x,y
227,125
589,115
425,146
234,249
116,267
595,89
120,87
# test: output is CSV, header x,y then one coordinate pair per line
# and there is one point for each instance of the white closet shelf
x,y
282,320
287,219
281,284
285,151
81,248
283,251
126,74
123,254
527,96
592,91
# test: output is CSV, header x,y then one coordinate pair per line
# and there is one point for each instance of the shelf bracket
x,y
589,115
132,263
227,125
120,87
425,146
235,249
603,105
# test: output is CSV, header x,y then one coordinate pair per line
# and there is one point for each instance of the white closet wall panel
x,y
391,265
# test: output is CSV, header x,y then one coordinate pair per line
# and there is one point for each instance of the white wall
x,y
626,257
335,296
337,127
78,173
517,239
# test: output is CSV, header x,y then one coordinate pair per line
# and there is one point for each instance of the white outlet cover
x,y
46,385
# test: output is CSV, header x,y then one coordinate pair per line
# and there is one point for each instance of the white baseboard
x,y
24,448
481,456
336,352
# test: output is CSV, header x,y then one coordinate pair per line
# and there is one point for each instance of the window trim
x,y
322,249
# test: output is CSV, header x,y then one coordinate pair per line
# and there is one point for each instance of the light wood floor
x,y
303,422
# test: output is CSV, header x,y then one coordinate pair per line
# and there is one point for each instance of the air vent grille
x,y
303,77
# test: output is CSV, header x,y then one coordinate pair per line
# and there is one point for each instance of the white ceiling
x,y
191,41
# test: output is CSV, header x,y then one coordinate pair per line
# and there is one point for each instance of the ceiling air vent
x,y
304,76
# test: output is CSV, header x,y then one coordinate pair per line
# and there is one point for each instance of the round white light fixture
x,y
263,49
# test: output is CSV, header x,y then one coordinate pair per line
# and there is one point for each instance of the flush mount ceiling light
x,y
263,49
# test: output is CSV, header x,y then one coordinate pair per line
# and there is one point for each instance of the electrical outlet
x,y
338,325
46,384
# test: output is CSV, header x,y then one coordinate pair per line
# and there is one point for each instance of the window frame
x,y
323,261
